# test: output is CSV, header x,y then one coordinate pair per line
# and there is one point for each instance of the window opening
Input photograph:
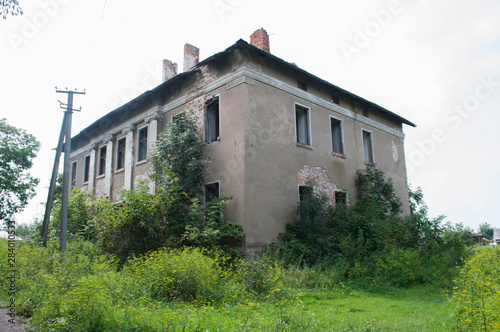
x,y
120,154
213,132
143,144
102,160
302,124
337,143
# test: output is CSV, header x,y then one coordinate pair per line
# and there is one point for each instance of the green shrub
x,y
188,274
476,295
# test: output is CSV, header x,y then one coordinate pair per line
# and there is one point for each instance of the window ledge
x,y
338,155
119,170
101,176
141,162
302,145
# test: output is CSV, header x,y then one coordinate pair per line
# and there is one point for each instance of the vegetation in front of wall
x,y
371,242
476,294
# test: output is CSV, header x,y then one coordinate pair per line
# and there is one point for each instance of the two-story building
x,y
269,128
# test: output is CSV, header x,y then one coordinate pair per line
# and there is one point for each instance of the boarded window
x,y
211,191
86,169
143,144
102,160
337,143
212,128
120,154
368,147
302,124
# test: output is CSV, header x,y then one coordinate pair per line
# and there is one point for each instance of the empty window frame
x,y
120,154
340,198
86,169
212,120
142,144
73,171
211,191
302,125
368,147
102,160
305,193
337,141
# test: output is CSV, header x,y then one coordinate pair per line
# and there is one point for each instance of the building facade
x,y
271,131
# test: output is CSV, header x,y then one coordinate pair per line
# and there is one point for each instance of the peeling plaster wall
x,y
322,185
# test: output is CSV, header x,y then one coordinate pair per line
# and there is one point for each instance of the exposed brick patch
x,y
322,183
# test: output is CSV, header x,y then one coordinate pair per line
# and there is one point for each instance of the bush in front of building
x,y
369,241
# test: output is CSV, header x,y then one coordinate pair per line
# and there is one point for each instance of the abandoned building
x,y
268,127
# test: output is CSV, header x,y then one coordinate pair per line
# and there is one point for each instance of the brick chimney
x,y
191,56
169,69
260,39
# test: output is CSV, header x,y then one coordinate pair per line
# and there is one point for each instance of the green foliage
x,y
10,6
177,159
486,230
371,241
377,192
187,274
142,222
475,297
17,151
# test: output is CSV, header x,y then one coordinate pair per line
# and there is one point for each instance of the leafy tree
x,y
375,190
10,6
17,151
487,231
177,160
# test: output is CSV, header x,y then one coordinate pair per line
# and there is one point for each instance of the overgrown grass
x,y
195,290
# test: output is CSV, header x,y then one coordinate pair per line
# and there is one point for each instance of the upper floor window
x,y
337,143
143,144
302,125
120,154
73,171
302,85
102,160
86,169
213,117
368,146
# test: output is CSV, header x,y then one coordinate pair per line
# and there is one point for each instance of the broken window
x,y
120,154
86,169
337,143
73,172
211,191
212,128
302,124
102,160
340,198
368,147
143,144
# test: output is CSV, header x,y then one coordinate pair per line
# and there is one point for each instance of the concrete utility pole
x,y
66,134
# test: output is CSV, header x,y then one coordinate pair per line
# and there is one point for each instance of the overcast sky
x,y
435,63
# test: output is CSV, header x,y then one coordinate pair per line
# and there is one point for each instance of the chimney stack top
x,y
260,39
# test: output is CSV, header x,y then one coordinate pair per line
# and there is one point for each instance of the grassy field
x,y
414,309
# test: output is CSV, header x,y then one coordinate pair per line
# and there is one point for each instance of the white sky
x,y
434,63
